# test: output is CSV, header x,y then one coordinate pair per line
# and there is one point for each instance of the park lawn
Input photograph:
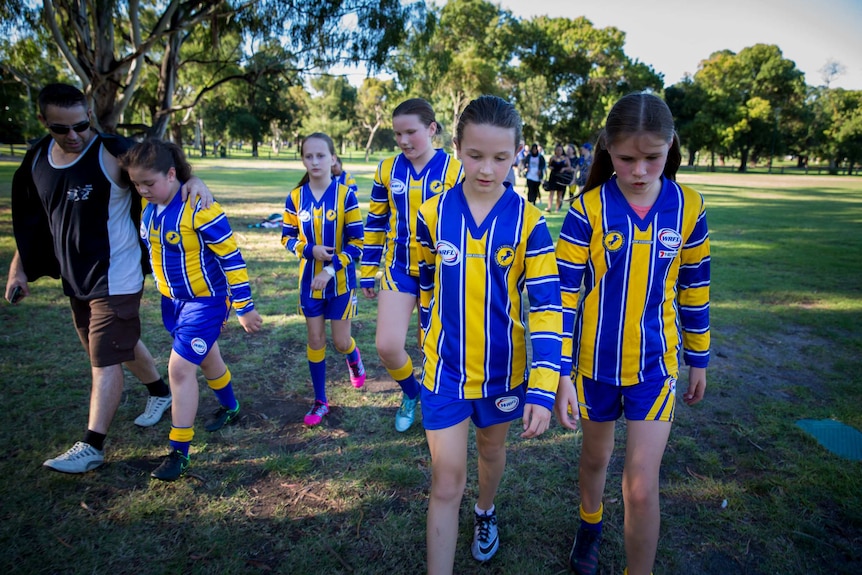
x,y
269,495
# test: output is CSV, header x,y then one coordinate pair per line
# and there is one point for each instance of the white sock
x,y
483,512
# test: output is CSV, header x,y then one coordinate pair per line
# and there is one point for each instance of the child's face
x,y
413,137
486,153
639,161
317,159
156,187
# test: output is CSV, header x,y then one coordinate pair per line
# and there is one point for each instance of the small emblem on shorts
x,y
449,254
172,238
504,256
669,238
436,186
330,215
613,241
397,187
670,383
304,216
507,404
199,346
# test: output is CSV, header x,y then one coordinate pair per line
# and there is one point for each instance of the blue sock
x,y
223,389
317,367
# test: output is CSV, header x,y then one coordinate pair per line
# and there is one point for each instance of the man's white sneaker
x,y
81,458
156,406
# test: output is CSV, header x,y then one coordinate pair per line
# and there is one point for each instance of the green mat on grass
x,y
840,439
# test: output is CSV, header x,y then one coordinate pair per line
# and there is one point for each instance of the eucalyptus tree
x,y
107,42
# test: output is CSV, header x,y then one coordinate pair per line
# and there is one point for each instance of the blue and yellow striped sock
x,y
405,378
592,521
180,439
224,391
317,367
351,353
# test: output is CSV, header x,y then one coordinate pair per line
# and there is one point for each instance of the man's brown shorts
x,y
109,327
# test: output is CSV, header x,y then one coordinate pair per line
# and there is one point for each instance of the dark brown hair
x,y
418,107
157,155
492,111
636,113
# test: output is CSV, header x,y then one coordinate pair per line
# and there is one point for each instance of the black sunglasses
x,y
62,130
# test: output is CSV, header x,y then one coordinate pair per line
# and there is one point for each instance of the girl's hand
x,y
696,385
322,253
369,293
319,281
566,404
536,420
251,321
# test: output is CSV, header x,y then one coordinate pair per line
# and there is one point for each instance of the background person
x,y
323,227
401,184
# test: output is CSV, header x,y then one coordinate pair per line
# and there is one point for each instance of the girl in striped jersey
x,y
200,273
481,245
401,184
323,228
342,176
639,243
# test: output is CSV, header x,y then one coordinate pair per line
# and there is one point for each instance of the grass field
x,y
270,496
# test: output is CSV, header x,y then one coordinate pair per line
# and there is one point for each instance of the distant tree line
x,y
207,72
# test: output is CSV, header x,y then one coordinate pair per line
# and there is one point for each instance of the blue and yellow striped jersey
x,y
472,279
397,193
646,285
346,179
333,221
194,253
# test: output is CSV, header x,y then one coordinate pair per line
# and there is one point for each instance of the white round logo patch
x,y
199,346
507,404
304,216
669,238
449,253
397,187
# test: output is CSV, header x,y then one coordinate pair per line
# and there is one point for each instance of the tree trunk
x,y
167,83
371,139
743,160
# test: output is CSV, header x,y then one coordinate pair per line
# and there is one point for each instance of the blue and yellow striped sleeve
x,y
545,315
351,250
213,226
377,224
427,263
693,283
290,236
573,249
348,180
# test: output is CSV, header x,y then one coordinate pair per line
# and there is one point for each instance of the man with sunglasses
x,y
76,217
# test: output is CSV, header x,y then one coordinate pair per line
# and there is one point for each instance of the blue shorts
x,y
396,280
647,401
440,412
195,324
339,307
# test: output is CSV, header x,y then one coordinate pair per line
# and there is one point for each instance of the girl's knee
x,y
448,486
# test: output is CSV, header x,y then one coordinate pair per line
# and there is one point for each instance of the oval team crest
x,y
504,256
448,252
507,404
330,215
172,238
397,187
436,186
613,240
304,216
669,238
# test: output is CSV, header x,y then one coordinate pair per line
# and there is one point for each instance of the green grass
x,y
350,496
